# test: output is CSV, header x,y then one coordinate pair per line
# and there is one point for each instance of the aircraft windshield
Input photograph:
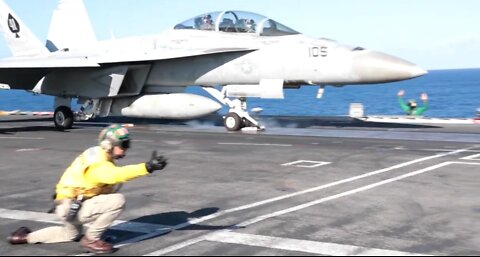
x,y
237,22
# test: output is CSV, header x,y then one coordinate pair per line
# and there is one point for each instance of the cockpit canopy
x,y
237,22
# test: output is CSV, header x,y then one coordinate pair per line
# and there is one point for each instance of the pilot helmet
x,y
207,17
249,22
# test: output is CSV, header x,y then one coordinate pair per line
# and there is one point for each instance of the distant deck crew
x,y
86,193
412,108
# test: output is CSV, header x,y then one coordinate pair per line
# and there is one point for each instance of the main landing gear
x,y
238,117
64,117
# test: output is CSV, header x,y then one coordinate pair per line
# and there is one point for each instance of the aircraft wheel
x,y
233,122
63,118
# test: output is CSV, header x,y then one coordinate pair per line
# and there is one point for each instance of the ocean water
x,y
452,94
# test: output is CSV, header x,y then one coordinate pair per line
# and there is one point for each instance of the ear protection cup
x,y
106,145
104,138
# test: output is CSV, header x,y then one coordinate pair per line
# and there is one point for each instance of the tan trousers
x,y
100,211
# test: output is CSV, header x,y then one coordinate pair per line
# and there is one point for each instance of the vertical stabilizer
x,y
19,38
70,27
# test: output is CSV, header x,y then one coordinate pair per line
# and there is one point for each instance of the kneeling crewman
x,y
86,193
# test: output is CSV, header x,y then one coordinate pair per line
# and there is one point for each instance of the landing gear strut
x,y
238,116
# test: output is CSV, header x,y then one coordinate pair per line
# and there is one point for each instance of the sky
x,y
434,34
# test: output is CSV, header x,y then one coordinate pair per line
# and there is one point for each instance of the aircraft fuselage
x,y
296,59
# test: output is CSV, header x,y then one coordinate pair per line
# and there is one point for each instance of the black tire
x,y
63,118
233,122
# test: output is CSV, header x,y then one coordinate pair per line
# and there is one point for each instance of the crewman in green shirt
x,y
411,108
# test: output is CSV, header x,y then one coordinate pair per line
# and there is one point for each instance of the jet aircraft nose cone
x,y
377,67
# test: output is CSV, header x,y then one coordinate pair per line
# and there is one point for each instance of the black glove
x,y
156,163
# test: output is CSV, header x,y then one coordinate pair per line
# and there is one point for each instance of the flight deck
x,y
304,186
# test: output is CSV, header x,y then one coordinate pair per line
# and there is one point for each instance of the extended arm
x,y
420,110
424,107
108,173
403,105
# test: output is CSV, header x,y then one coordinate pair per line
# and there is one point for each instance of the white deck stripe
x,y
29,138
179,246
467,163
28,193
302,206
347,193
310,190
249,206
28,149
254,144
129,226
471,157
29,215
446,150
304,246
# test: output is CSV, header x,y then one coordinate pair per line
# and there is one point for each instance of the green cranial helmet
x,y
412,103
114,135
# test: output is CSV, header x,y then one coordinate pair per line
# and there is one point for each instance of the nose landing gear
x,y
238,117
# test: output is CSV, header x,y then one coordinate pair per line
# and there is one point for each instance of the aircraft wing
x,y
24,72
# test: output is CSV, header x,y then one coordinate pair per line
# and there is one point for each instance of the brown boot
x,y
19,236
96,246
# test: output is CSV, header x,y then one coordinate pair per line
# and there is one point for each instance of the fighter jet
x,y
233,55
